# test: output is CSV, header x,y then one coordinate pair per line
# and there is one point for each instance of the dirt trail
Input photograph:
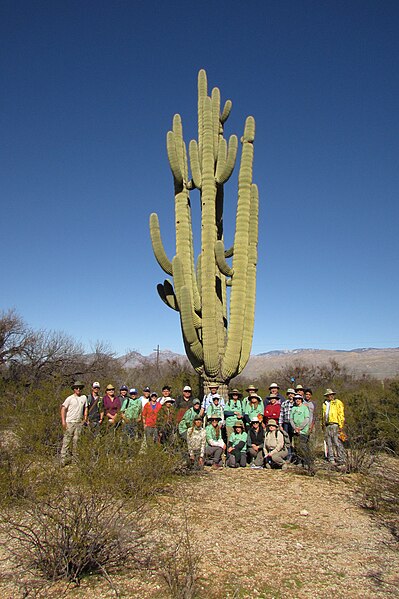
x,y
255,542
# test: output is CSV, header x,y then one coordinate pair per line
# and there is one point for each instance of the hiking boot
x,y
268,466
284,467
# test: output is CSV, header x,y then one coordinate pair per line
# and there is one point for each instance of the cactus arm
x,y
222,157
251,282
187,323
220,259
181,152
202,94
226,111
231,359
173,158
225,174
195,164
169,300
157,245
216,120
229,253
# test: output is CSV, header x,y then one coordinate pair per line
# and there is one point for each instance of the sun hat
x,y
298,396
299,388
274,386
254,419
255,397
235,392
214,417
238,423
272,422
251,388
197,417
169,400
290,391
329,392
196,402
187,388
110,388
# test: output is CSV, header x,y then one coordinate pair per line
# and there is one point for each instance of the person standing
x,y
145,398
112,405
72,422
149,415
233,411
208,399
184,402
131,414
284,420
94,412
300,422
332,424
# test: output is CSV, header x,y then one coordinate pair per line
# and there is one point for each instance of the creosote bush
x,y
71,534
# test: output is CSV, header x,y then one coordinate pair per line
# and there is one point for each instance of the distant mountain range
x,y
378,363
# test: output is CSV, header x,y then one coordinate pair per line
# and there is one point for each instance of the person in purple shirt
x,y
111,405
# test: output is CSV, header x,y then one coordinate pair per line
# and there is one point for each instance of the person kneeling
x,y
196,440
237,447
274,449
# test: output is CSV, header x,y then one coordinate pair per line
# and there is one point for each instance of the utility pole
x,y
157,350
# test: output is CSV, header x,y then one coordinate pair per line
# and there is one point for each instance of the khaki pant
x,y
256,456
71,436
333,441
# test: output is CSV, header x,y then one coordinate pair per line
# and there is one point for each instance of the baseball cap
x,y
96,385
133,391
187,388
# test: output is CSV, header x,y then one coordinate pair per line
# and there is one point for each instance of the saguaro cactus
x,y
217,344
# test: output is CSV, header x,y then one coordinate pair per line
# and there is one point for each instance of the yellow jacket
x,y
335,413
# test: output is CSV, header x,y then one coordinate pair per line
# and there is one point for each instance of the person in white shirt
x,y
72,411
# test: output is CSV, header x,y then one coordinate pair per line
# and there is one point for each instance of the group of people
x,y
236,431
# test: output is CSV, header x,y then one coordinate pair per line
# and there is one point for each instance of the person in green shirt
x,y
237,446
187,421
233,411
254,409
300,422
215,408
131,414
215,445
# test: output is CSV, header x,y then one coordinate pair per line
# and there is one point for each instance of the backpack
x,y
287,442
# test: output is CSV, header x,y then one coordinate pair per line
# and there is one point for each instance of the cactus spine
x,y
217,345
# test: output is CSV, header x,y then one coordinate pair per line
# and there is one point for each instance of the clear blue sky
x,y
89,89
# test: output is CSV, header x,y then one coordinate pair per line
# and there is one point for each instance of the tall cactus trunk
x,y
217,340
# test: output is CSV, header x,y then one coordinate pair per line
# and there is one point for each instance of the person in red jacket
x,y
272,410
149,415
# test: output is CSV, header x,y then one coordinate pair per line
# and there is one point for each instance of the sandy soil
x,y
265,533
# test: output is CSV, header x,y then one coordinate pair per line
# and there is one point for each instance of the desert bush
x,y
178,561
124,468
379,494
72,534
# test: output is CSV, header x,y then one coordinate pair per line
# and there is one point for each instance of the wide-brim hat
x,y
255,419
290,390
274,386
299,388
214,417
238,423
78,384
252,388
169,400
272,422
255,397
197,417
329,392
110,388
235,392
